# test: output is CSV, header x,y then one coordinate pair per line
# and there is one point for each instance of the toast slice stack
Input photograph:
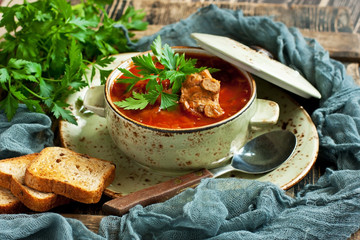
x,y
12,174
53,177
70,174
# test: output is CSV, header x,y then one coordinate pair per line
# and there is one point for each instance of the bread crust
x,y
76,193
39,176
6,175
11,204
33,202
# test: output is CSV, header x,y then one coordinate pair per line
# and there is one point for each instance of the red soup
x,y
235,92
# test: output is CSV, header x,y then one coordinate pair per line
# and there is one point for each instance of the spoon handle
x,y
154,194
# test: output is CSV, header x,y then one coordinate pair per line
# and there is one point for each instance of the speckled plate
x,y
91,136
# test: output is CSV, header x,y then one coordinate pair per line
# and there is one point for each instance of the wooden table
x,y
335,24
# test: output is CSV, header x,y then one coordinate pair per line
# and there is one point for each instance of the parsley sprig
x,y
48,46
176,68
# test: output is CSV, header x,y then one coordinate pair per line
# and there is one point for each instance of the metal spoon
x,y
260,155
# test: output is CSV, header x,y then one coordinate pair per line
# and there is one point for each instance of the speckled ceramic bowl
x,y
175,151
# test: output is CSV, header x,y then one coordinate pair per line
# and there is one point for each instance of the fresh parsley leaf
x,y
46,89
154,85
145,64
212,70
130,76
17,94
188,67
156,47
10,105
152,95
168,100
62,7
33,105
164,54
24,70
169,58
59,109
103,75
176,79
137,102
104,61
75,57
77,85
27,66
8,20
4,75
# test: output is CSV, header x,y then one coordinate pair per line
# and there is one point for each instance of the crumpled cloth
x,y
245,209
238,208
44,226
26,133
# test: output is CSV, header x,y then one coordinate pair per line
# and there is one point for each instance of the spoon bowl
x,y
262,154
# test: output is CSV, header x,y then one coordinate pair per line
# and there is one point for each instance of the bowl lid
x,y
257,64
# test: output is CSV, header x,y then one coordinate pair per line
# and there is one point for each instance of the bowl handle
x,y
267,112
94,100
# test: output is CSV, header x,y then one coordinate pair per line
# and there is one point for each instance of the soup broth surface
x,y
235,92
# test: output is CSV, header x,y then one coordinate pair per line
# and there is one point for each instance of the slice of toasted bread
x,y
12,173
9,203
35,200
74,175
14,167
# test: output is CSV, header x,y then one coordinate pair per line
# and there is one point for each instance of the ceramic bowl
x,y
176,151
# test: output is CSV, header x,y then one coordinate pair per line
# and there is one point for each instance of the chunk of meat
x,y
200,95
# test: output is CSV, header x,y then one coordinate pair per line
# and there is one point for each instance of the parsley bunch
x,y
176,68
48,46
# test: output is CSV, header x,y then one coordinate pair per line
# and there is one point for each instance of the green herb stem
x,y
33,93
51,79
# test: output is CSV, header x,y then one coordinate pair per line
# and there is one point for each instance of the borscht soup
x,y
227,87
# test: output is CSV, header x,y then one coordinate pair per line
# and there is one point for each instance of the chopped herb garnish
x,y
176,68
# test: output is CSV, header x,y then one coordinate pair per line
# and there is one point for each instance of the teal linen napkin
x,y
238,208
44,226
244,209
26,133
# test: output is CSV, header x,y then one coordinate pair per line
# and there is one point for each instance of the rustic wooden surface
x,y
317,15
315,19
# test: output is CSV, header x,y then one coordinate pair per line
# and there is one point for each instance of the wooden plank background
x,y
335,24
309,14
